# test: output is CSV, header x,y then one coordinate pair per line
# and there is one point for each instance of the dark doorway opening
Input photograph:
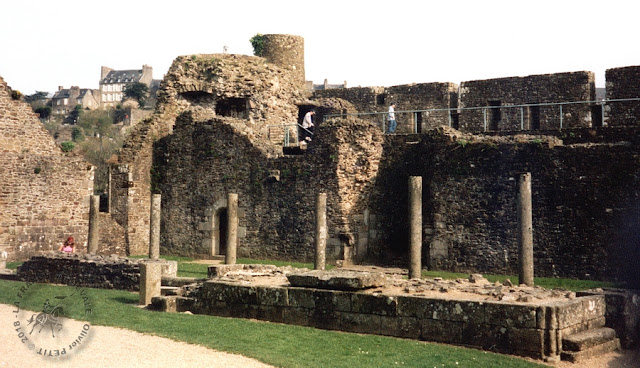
x,y
380,99
233,108
455,120
223,223
596,116
496,115
534,117
419,122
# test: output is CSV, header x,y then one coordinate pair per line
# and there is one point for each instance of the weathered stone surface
x,y
586,339
44,191
224,269
577,356
510,315
150,281
383,305
337,280
277,296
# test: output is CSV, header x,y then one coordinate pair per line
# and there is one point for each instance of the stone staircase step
x,y
586,339
597,350
169,290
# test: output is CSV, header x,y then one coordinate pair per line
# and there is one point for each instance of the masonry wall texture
x,y
620,85
276,194
530,330
212,134
423,96
44,193
233,86
583,195
533,89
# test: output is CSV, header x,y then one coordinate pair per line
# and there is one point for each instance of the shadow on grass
x,y
124,300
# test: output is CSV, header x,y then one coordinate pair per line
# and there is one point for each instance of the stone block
x,y
270,313
337,279
405,327
511,315
570,313
150,280
164,304
587,339
296,316
593,306
272,296
441,331
302,298
527,339
325,319
411,306
223,269
360,323
374,304
332,300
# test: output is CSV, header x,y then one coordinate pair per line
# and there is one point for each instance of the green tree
x,y
137,91
43,111
38,96
97,123
257,42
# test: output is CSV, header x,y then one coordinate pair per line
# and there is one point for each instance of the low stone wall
x,y
86,270
622,314
534,330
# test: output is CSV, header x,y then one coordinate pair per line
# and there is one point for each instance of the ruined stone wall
x,y
623,83
287,52
203,161
44,193
423,96
522,329
234,86
87,270
547,88
583,197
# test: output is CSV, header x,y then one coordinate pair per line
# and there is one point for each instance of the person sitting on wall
x,y
69,246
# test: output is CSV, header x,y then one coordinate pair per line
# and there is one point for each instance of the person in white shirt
x,y
392,118
307,127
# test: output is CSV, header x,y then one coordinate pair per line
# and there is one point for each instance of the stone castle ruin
x,y
222,120
229,124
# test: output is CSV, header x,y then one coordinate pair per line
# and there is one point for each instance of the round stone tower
x,y
286,51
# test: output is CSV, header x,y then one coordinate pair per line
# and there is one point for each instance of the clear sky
x,y
45,44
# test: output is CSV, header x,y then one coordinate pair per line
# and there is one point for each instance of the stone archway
x,y
217,225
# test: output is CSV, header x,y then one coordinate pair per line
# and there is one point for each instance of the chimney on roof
x,y
60,88
104,71
147,75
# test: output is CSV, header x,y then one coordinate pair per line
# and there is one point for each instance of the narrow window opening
x,y
496,115
233,108
534,117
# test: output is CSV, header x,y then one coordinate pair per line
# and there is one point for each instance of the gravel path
x,y
105,347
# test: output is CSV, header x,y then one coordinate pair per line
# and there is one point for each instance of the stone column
x,y
525,231
415,227
232,228
321,231
150,281
154,227
94,230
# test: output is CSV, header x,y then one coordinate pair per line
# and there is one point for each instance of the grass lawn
x,y
276,344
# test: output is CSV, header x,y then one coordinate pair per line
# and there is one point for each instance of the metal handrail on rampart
x,y
484,109
287,135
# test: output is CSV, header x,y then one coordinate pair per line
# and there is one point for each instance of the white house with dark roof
x,y
65,100
113,82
